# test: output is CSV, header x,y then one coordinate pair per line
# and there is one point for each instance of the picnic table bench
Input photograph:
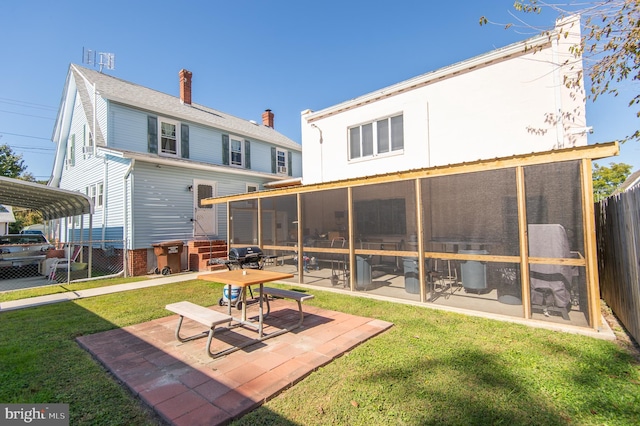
x,y
298,296
200,314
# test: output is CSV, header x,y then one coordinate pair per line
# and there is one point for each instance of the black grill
x,y
250,257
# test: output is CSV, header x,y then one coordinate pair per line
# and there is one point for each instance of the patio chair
x,y
550,284
63,263
442,275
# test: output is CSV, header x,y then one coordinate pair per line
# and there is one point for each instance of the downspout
x,y
557,83
428,137
125,221
104,201
95,121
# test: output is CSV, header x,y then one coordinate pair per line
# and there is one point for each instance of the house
x,y
147,159
468,188
6,217
523,98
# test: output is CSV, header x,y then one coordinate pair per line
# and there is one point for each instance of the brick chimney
x,y
185,86
267,118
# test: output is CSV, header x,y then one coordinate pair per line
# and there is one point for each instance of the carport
x,y
52,203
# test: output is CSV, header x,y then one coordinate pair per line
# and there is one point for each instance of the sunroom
x,y
510,237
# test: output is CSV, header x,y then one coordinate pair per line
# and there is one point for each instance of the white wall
x,y
496,105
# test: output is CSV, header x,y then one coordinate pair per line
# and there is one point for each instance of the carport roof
x,y
53,203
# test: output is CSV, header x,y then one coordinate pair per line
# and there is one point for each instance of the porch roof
x,y
53,203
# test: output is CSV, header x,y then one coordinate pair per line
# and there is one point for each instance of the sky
x,y
248,55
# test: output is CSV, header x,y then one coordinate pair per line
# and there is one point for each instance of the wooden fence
x,y
618,236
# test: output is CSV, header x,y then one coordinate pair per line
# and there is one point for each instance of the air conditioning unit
x,y
88,150
282,169
70,162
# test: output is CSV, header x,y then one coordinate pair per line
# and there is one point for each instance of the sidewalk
x,y
80,294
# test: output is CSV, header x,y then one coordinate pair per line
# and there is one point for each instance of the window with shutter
x,y
235,151
281,159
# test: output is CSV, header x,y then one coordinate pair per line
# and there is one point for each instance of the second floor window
x,y
236,152
376,138
168,138
71,151
281,158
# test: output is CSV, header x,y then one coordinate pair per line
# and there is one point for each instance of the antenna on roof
x,y
101,59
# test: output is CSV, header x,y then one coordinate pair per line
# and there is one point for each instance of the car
x,y
18,250
32,232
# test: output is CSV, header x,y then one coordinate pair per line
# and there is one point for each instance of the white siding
x,y
487,108
128,130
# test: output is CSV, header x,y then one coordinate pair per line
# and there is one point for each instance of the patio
x,y
186,387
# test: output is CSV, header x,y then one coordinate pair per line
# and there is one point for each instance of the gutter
x,y
284,183
187,164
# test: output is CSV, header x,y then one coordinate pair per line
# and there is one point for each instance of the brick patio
x,y
186,387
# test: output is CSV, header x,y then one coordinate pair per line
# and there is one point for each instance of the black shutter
x,y
247,154
289,164
225,150
184,141
152,134
273,159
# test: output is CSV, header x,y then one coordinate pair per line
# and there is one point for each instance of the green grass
x,y
431,367
64,287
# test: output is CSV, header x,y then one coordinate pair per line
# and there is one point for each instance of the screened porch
x,y
512,236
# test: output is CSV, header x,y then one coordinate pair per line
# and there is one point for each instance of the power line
x,y
22,105
32,148
27,115
24,136
28,103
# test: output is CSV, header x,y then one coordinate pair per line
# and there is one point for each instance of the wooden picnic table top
x,y
245,277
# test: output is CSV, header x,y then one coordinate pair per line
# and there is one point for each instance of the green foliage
x,y
607,179
610,43
11,165
24,218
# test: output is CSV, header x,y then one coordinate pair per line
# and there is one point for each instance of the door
x,y
205,222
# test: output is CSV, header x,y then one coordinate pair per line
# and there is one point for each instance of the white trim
x,y
184,163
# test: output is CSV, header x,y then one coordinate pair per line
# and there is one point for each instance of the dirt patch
x,y
623,338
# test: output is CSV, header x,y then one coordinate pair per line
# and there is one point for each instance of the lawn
x,y
432,367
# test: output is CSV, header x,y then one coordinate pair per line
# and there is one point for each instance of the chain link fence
x,y
62,263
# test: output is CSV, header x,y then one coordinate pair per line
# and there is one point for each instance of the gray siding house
x,y
147,159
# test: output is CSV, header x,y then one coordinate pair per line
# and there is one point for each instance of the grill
x,y
250,257
247,257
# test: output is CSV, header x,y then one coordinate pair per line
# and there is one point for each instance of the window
x,y
169,141
71,151
96,193
281,159
381,217
236,152
379,137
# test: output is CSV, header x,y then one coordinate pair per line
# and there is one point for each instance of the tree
x,y
11,165
607,179
610,45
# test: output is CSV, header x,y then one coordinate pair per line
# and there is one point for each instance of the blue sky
x,y
247,56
